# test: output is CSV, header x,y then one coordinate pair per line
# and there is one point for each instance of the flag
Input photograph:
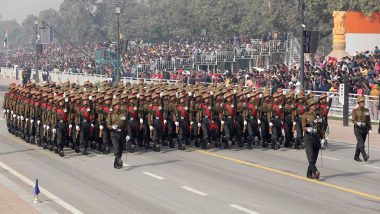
x,y
36,188
6,39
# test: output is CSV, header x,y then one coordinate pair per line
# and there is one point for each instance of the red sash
x,y
86,114
253,109
301,109
277,110
324,109
133,113
183,111
62,114
158,113
230,109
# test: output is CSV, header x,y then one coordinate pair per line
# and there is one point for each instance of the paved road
x,y
214,181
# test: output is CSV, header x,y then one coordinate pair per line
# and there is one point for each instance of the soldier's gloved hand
x,y
165,122
114,127
270,124
38,122
191,123
11,112
151,128
314,130
222,122
309,129
26,119
4,111
258,121
90,98
70,126
323,142
65,110
18,117
44,126
127,138
141,121
22,118
176,123
77,128
47,127
14,116
101,127
199,125
245,122
294,123
7,110
370,131
31,121
54,130
359,123
92,125
66,100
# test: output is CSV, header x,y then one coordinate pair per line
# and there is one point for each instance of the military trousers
x,y
361,136
312,146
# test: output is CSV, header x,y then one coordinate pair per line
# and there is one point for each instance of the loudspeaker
x,y
311,41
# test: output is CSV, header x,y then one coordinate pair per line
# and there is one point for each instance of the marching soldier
x,y
117,124
324,107
227,115
362,126
60,126
204,120
156,120
299,110
132,128
288,119
276,118
265,118
251,118
182,121
312,128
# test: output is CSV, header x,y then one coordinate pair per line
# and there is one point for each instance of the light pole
x,y
302,51
36,28
117,12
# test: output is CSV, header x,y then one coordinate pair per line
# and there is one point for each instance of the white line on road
x,y
193,190
1,119
330,158
243,209
153,176
43,190
124,164
372,166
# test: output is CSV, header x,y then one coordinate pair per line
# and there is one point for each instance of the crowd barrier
x,y
336,109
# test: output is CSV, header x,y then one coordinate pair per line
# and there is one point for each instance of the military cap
x,y
360,99
289,95
324,95
115,102
124,96
311,103
277,94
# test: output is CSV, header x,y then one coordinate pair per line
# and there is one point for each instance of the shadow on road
x,y
350,174
130,168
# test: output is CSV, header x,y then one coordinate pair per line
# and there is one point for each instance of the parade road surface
x,y
191,181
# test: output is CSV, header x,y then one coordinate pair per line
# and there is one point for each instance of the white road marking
x,y
99,155
292,150
153,175
124,164
333,141
243,209
330,158
43,190
1,119
193,190
375,167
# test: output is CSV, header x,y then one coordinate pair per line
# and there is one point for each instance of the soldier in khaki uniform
x,y
117,124
312,128
288,119
362,126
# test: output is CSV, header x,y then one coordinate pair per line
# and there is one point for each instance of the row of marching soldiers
x,y
127,116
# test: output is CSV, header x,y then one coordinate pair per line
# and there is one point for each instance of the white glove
x,y
280,106
222,122
211,93
66,99
70,126
54,130
38,122
359,123
138,96
101,127
151,128
47,127
77,128
141,121
22,118
90,98
4,111
92,125
114,127
190,94
31,121
44,126
199,124
165,122
176,124
270,124
309,129
245,122
370,131
26,119
161,94
323,142
8,111
235,91
14,116
18,117
65,110
11,112
191,123
88,109
127,138
294,123
258,121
